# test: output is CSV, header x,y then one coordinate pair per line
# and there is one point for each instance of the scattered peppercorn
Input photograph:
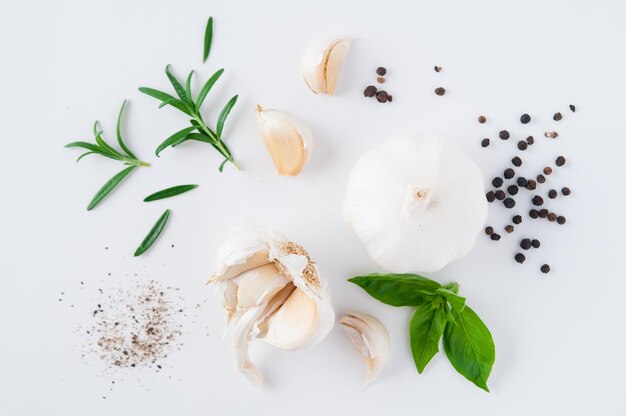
x,y
525,243
381,70
440,91
525,119
545,269
543,213
552,217
482,119
497,182
531,185
509,203
520,258
516,161
551,134
566,191
552,193
572,107
533,213
489,230
557,116
522,145
530,140
537,200
484,143
381,80
370,91
495,236
547,170
561,219
535,243
504,135
490,196
500,195
512,189
517,219
389,97
541,178
521,181
509,173
509,229
381,96
560,161
437,68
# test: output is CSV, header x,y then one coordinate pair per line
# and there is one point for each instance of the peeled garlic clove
x,y
283,301
372,340
287,139
321,64
417,203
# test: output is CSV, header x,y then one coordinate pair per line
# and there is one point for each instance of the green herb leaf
x,y
221,166
174,138
92,148
188,86
167,99
207,87
208,39
109,186
426,329
118,132
154,234
457,302
83,155
470,348
222,117
398,289
169,192
180,91
96,131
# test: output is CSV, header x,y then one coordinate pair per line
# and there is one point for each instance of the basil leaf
x,y
208,39
457,302
221,119
169,192
469,347
174,138
207,87
398,289
108,187
154,233
426,329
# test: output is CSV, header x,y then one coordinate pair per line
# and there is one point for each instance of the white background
x,y
559,338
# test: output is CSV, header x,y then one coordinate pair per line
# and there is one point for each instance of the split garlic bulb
x,y
417,203
321,64
371,339
271,291
287,139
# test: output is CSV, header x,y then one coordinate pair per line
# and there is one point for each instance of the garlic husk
x,y
287,139
271,291
321,64
371,339
417,203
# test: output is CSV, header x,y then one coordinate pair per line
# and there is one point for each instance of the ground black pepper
x,y
525,243
370,91
512,189
541,178
509,229
533,213
509,203
551,134
440,91
482,119
524,119
522,145
497,182
381,70
561,219
516,161
500,195
520,258
504,135
552,193
545,268
560,161
437,68
389,97
509,173
557,116
566,191
572,107
484,143
517,219
489,230
491,196
535,243
381,80
537,200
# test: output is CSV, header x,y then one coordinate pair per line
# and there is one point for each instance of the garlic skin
x,y
287,139
271,291
321,63
417,203
371,339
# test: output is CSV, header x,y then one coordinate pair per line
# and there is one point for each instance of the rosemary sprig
x,y
185,103
102,148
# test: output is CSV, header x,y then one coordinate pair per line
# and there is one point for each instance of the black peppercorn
x,y
530,140
484,143
512,189
521,181
552,217
552,193
509,173
490,196
497,182
535,243
509,229
561,219
533,213
381,96
572,107
389,97
437,68
525,243
482,119
545,269
537,200
516,161
531,185
489,230
557,116
517,219
547,170
541,178
504,135
543,213
500,195
522,145
525,119
440,91
520,258
370,91
560,161
566,191
495,236
509,203
381,70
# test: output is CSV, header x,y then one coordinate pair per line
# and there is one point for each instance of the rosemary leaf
x,y
208,39
154,233
188,86
207,87
180,91
222,117
92,149
118,132
169,192
109,186
174,138
167,99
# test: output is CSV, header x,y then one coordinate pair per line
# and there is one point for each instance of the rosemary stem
x,y
218,143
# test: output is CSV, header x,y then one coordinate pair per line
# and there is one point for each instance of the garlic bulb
x,y
321,64
417,203
371,339
287,139
271,291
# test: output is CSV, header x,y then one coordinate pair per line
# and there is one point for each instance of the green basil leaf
x,y
180,91
426,329
457,302
118,132
169,192
398,289
165,97
174,138
109,186
222,117
207,87
470,348
208,39
154,233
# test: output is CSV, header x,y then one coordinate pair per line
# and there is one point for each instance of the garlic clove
x,y
288,140
321,64
241,334
371,339
255,260
257,286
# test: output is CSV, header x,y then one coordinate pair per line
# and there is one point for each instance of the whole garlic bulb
x,y
271,291
321,64
417,203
